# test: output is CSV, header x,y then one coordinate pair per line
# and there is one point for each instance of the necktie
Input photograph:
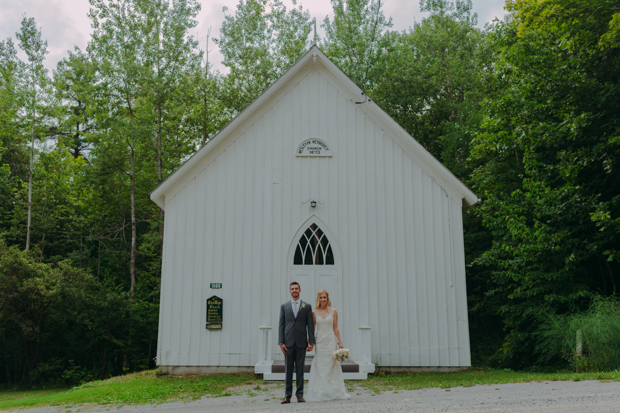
x,y
295,309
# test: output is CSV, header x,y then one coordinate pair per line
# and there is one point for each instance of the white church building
x,y
314,183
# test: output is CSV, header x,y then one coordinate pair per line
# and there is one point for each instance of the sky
x,y
65,23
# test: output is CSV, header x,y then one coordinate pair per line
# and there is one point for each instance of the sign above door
x,y
313,148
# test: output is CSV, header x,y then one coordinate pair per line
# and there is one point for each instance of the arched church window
x,y
313,248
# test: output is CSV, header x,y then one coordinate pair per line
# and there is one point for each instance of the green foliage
x,y
58,325
11,72
357,39
59,213
259,43
576,22
73,78
432,81
8,188
589,340
13,152
37,100
122,116
60,371
547,165
209,112
612,37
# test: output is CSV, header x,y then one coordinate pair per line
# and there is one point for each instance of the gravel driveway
x,y
548,397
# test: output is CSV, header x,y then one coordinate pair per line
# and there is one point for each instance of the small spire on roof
x,y
316,36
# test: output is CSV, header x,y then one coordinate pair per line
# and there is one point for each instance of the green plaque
x,y
216,285
214,313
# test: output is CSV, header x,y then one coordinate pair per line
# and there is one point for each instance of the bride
x,y
326,382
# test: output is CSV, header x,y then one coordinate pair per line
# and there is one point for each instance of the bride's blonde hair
x,y
320,293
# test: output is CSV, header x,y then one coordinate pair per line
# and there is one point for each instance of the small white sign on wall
x,y
313,147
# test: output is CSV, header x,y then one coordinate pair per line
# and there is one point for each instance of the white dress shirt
x,y
295,305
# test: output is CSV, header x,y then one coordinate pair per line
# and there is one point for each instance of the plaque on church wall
x,y
312,148
214,313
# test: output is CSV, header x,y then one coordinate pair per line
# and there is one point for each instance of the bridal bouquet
x,y
341,354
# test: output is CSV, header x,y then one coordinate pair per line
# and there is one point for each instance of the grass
x,y
139,388
393,382
148,388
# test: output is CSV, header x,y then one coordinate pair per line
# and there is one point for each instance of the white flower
x,y
341,354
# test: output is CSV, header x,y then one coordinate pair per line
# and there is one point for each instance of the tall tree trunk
x,y
205,134
159,167
134,235
34,114
132,201
159,160
159,122
99,261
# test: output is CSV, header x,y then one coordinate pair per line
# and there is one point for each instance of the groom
x,y
296,327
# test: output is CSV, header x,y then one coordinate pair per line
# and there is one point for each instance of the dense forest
x,y
525,111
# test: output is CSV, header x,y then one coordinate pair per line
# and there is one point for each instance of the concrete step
x,y
281,376
348,366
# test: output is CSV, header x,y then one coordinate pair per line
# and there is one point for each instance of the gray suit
x,y
295,332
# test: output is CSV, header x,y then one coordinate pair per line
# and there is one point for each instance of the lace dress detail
x,y
326,382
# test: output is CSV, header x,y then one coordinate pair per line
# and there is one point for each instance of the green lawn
x,y
384,382
148,388
139,388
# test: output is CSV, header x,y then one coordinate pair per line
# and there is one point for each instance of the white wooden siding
x,y
398,234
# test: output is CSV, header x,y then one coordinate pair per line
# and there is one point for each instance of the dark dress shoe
x,y
285,400
300,400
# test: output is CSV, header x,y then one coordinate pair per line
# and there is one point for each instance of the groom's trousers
x,y
295,357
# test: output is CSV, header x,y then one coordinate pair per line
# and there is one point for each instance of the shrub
x,y
58,324
57,371
589,340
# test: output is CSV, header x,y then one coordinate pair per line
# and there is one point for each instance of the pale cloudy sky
x,y
65,22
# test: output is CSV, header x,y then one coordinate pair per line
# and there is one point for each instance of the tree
x,y
143,56
208,113
259,43
547,164
433,81
10,83
56,320
169,52
72,79
36,94
358,39
59,215
12,151
117,51
136,103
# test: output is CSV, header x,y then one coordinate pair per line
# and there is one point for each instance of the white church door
x,y
312,280
314,262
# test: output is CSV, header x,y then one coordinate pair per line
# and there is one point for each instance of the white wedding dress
x,y
326,382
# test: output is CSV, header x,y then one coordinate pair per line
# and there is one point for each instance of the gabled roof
x,y
432,166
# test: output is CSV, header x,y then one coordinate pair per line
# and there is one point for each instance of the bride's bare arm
x,y
314,320
336,330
